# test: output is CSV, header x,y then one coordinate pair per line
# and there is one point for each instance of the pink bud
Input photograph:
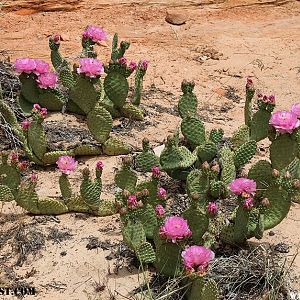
x,y
100,165
25,124
248,203
144,64
212,208
34,177
57,38
132,201
23,165
14,157
36,107
132,66
162,193
160,211
122,60
43,112
155,171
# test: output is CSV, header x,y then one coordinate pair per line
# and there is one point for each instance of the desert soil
x,y
221,43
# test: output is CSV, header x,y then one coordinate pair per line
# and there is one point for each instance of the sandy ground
x,y
218,47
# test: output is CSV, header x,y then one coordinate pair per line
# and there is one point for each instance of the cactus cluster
x,y
16,185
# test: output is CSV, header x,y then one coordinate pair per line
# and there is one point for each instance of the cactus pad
x,y
193,130
115,146
260,125
244,153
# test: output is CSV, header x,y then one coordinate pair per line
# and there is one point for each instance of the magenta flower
x,y
132,201
57,38
296,109
23,165
47,80
100,165
162,193
155,171
36,107
248,203
122,60
249,83
243,185
144,64
160,211
91,67
66,164
132,66
284,121
25,124
43,112
212,208
271,99
96,34
14,156
34,177
197,259
175,228
24,65
41,67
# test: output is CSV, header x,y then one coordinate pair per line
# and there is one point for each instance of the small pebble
x,y
63,253
271,233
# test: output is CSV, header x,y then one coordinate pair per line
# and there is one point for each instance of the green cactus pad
x,y
259,230
51,99
87,150
198,222
109,106
49,206
168,259
217,188
77,204
147,217
202,290
106,208
10,177
207,152
240,136
197,182
65,186
244,153
283,151
147,159
74,108
29,90
24,105
91,192
5,194
100,123
28,199
241,225
260,125
146,253
216,135
132,112
50,158
116,88
261,173
188,102
228,171
193,130
37,139
115,146
278,209
66,77
126,179
84,94
134,235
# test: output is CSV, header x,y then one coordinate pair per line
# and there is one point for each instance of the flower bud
x,y
195,196
275,173
287,175
216,168
265,202
296,183
123,211
126,193
205,165
145,192
140,204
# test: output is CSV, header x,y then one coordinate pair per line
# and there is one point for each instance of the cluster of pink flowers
x,y
266,99
36,109
132,65
242,186
160,211
162,193
66,164
132,201
47,80
284,121
174,229
91,67
94,33
197,258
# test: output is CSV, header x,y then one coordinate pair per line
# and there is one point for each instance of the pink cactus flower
x,y
155,171
43,112
132,201
296,109
36,107
91,67
162,193
243,185
249,83
271,99
100,165
284,121
160,211
132,65
122,60
66,164
24,65
248,203
175,228
57,38
23,165
41,67
25,124
212,208
47,80
34,177
144,64
96,34
197,259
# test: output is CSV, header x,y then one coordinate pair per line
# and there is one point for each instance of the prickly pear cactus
x,y
126,178
228,171
244,153
202,289
260,125
240,136
193,130
207,152
115,146
37,139
198,182
188,102
216,135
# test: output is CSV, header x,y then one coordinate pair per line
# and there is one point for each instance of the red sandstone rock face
x,y
34,6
